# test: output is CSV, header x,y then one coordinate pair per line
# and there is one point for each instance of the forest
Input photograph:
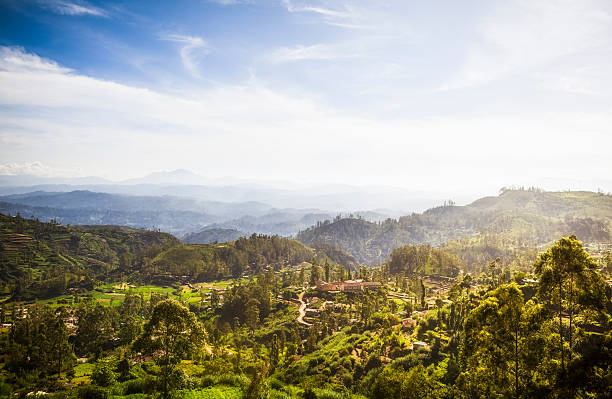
x,y
515,223
117,312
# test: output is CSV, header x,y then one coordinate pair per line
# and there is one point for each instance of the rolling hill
x,y
518,218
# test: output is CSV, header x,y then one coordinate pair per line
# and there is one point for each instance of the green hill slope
x,y
516,218
44,259
40,260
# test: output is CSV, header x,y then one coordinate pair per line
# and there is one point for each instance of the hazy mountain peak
x,y
177,176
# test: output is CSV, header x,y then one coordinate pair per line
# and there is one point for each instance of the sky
x,y
462,95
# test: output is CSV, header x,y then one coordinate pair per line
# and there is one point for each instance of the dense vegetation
x,y
200,262
499,337
115,312
39,260
516,220
423,259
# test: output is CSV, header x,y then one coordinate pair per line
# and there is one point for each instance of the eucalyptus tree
x,y
570,284
170,335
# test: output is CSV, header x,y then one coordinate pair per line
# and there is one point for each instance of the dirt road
x,y
302,310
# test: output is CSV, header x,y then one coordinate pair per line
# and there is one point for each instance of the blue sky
x,y
470,94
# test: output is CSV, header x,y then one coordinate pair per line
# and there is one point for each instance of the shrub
x,y
133,386
233,380
92,392
103,374
274,383
327,394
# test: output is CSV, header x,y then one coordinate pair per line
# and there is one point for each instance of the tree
x,y
503,346
214,299
95,327
103,374
251,313
40,342
569,281
413,384
171,334
129,330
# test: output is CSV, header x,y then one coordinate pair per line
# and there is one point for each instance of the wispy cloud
x,y
193,49
315,52
333,13
65,7
521,36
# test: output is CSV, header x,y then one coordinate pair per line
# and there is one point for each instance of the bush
x,y
278,395
92,392
327,394
233,380
133,386
309,394
178,379
140,385
208,381
103,374
274,383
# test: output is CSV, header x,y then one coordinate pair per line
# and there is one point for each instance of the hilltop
x,y
518,218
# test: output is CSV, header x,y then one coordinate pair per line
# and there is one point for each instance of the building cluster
x,y
348,286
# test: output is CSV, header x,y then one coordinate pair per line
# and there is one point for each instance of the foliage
x,y
171,334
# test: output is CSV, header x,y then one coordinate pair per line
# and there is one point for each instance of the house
x,y
419,344
408,323
348,286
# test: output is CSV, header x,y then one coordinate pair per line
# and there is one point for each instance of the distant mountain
x,y
174,177
177,215
518,218
171,221
332,198
213,235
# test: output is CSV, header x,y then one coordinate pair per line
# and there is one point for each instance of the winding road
x,y
302,310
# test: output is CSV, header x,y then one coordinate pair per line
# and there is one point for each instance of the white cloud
x,y
524,35
32,168
193,50
336,13
35,168
59,117
69,8
314,52
15,59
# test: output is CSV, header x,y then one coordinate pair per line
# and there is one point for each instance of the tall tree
x,y
95,327
569,283
503,346
39,341
171,334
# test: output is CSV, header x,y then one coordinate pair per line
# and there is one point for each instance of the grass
x,y
219,392
82,373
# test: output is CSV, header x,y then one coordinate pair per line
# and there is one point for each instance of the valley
x,y
349,308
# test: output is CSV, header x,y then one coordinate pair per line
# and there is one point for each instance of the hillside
x,y
44,259
40,260
518,218
204,262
